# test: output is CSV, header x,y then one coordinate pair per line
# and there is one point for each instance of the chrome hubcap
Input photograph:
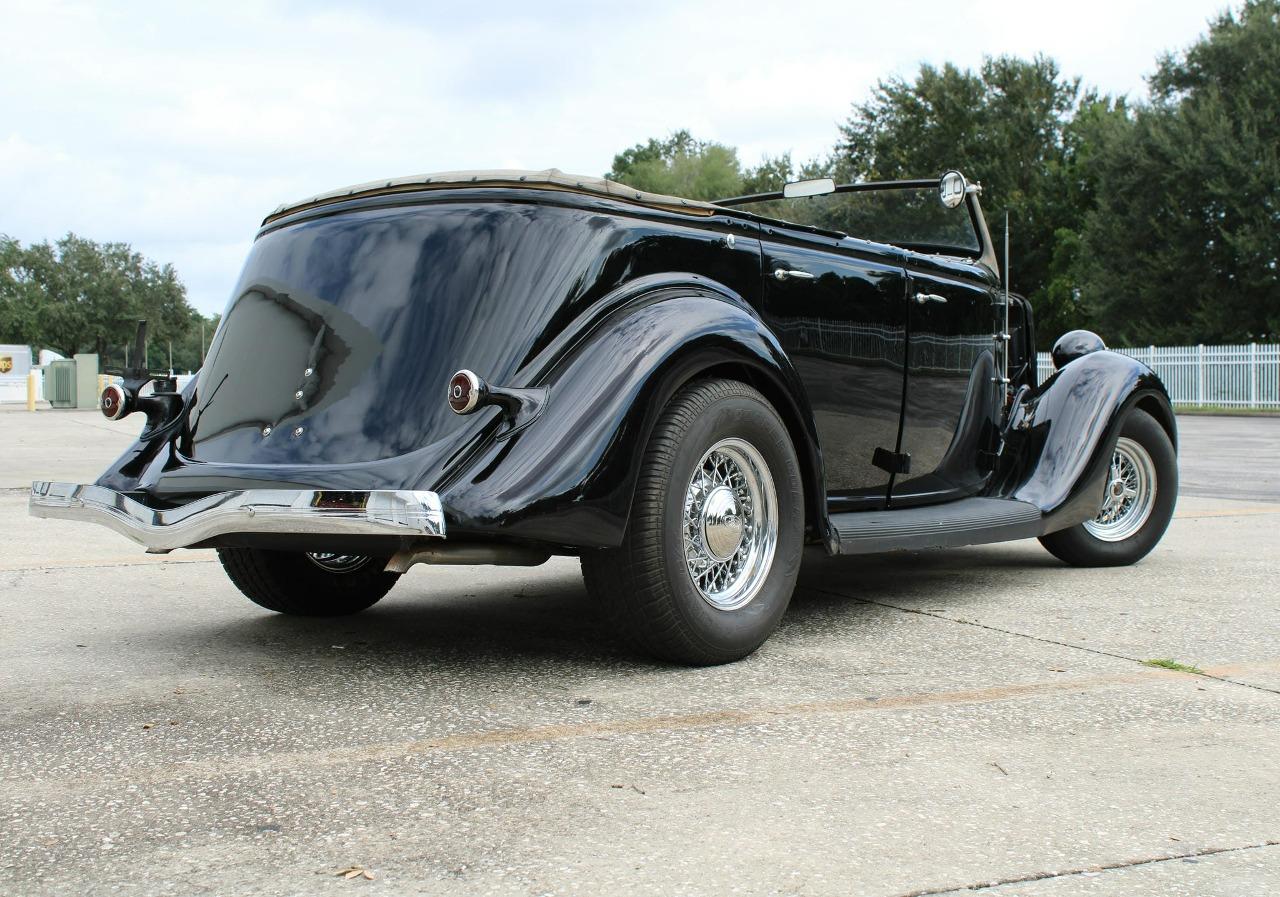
x,y
337,563
1130,493
730,524
721,523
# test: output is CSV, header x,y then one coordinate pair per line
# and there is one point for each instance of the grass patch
x,y
1225,411
1168,663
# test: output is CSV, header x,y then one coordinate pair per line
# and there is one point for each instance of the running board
x,y
969,521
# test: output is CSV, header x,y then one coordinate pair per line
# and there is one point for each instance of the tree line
x,y
77,295
1155,222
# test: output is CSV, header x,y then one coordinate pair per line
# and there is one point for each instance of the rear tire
x,y
1142,489
713,544
307,585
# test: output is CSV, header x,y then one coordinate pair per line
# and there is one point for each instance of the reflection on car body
x,y
495,367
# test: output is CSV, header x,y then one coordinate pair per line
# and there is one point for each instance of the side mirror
x,y
951,189
811,187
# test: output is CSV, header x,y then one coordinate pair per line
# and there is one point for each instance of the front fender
x,y
1062,434
569,477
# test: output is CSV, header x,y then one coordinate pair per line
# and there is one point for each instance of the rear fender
x,y
569,477
1061,436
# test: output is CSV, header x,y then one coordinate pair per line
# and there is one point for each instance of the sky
x,y
176,127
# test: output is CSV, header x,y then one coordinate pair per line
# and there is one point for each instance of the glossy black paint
x,y
952,404
1023,361
570,479
845,332
383,306
375,303
1073,344
331,366
1061,435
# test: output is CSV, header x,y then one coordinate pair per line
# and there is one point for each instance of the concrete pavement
x,y
932,723
1231,457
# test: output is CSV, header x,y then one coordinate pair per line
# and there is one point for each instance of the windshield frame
x,y
985,253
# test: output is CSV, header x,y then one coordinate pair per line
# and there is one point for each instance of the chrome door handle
x,y
786,273
922,298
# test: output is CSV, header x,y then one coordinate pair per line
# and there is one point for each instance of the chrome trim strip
x,y
386,512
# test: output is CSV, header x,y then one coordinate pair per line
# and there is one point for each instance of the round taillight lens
x,y
465,392
114,402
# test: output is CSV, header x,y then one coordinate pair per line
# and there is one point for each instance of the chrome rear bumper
x,y
389,512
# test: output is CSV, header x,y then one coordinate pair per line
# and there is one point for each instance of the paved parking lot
x,y
936,723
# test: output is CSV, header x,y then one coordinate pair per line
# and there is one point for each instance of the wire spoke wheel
x,y
730,524
1130,493
338,563
715,534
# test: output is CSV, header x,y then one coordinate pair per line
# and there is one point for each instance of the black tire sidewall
x,y
1077,545
288,582
735,632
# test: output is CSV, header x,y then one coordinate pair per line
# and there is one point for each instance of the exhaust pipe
x,y
467,554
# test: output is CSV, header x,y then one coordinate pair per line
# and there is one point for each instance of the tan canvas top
x,y
552,178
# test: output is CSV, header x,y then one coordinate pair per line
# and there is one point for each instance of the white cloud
x,y
176,127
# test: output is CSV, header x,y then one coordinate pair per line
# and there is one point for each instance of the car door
x,y
950,413
837,307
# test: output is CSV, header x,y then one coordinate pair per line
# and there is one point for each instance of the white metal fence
x,y
1245,376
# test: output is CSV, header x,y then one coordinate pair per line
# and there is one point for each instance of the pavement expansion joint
x,y
94,425
1035,638
145,561
1241,512
349,755
1085,870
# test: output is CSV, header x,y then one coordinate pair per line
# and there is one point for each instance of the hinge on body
x,y
892,462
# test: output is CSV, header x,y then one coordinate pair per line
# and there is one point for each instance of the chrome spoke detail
x,y
1130,493
730,527
337,563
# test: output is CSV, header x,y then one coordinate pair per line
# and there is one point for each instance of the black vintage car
x,y
495,367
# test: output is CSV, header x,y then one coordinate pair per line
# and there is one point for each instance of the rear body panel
x,y
329,369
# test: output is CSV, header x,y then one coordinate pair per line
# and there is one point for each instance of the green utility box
x,y
60,383
87,380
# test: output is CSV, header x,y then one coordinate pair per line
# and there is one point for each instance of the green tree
x,y
769,176
1005,126
680,165
189,351
19,295
80,296
1183,244
1060,304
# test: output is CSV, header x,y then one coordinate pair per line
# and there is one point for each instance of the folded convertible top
x,y
504,177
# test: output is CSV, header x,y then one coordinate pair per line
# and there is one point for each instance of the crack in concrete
x,y
1246,512
169,772
1035,638
1101,867
141,561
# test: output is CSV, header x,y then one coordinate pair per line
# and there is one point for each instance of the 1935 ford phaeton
x,y
495,367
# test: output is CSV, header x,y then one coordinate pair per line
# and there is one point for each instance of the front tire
x,y
308,584
713,544
1141,490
